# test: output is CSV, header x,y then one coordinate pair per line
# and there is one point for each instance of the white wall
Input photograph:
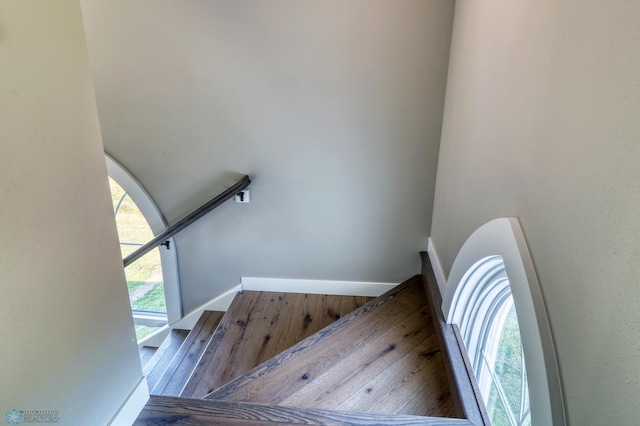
x,y
67,332
541,122
333,107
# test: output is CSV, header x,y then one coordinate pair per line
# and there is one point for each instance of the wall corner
x,y
441,277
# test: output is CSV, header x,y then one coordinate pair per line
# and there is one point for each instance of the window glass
x,y
486,315
144,276
143,331
508,393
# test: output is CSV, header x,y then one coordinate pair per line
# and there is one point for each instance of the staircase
x,y
276,358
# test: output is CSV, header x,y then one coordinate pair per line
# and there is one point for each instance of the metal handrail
x,y
188,220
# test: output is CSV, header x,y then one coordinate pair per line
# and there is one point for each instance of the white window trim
x,y
480,307
150,319
504,237
480,289
168,257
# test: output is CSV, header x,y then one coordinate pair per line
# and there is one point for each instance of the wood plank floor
x,y
258,326
163,410
382,358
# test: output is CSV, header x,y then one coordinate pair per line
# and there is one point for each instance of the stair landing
x,y
380,364
382,358
258,326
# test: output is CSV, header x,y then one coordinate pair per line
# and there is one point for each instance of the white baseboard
x,y
441,277
131,408
220,303
343,288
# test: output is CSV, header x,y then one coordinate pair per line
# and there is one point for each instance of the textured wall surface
x,y
67,333
541,122
334,108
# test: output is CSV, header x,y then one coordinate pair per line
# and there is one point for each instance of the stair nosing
x,y
217,334
164,381
150,368
290,415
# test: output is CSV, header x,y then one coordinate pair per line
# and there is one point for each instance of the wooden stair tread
x,y
146,353
333,366
186,358
165,410
388,391
259,325
360,371
161,359
314,345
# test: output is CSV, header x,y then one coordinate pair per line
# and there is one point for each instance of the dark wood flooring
x,y
278,358
381,358
157,365
188,355
163,410
258,326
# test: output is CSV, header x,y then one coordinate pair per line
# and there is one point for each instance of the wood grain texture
x,y
376,359
350,375
179,370
388,391
258,326
162,410
312,356
157,365
388,360
239,304
466,395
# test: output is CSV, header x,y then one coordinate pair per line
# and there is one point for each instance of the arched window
x,y
484,310
152,280
493,295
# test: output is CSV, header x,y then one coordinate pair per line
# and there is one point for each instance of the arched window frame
x,y
168,255
480,307
481,297
504,237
